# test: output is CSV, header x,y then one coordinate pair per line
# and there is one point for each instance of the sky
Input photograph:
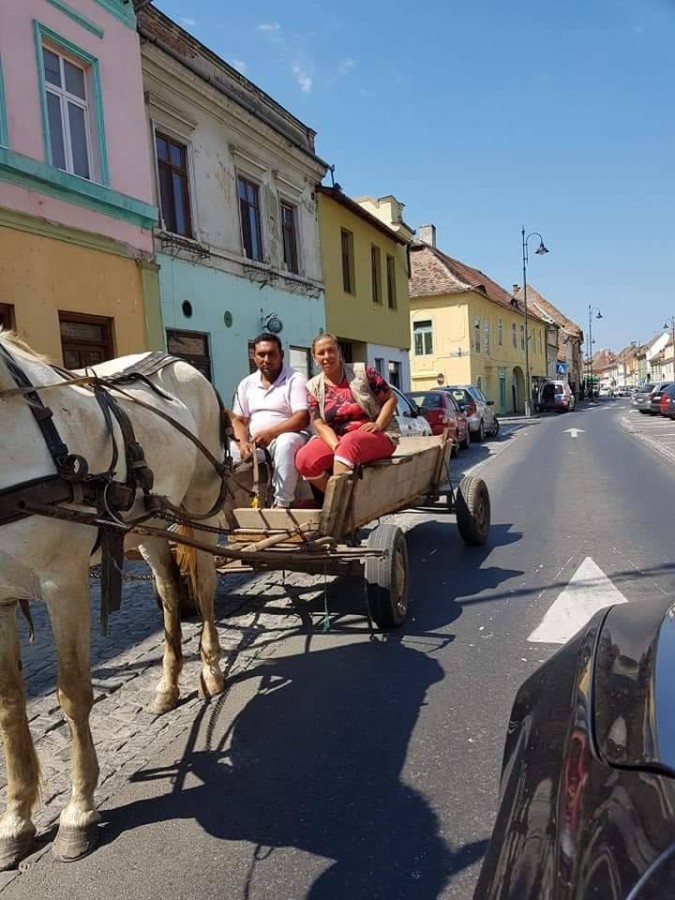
x,y
484,117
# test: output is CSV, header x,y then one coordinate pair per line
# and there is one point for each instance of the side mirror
x,y
490,402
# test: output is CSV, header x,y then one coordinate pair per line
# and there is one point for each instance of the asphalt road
x,y
343,767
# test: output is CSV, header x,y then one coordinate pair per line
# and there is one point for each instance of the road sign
x,y
561,368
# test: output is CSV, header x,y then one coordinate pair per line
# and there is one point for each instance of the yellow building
x,y
466,329
365,272
79,298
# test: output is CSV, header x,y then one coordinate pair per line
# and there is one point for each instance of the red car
x,y
442,412
667,401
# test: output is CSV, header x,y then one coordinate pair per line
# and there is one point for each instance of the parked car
x,y
556,396
477,409
606,391
667,402
655,397
410,421
642,398
442,412
588,777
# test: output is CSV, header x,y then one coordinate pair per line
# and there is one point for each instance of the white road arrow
x,y
573,431
588,591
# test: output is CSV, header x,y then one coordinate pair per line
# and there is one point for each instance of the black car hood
x,y
634,687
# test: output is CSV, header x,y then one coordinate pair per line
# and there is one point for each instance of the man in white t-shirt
x,y
270,412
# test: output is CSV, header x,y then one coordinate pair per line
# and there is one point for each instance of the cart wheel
x,y
472,505
387,577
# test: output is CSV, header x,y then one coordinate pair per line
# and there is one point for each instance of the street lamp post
x,y
540,251
598,315
671,324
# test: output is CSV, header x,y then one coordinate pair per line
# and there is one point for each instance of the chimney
x,y
428,235
516,288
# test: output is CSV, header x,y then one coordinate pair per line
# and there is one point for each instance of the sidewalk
x,y
126,666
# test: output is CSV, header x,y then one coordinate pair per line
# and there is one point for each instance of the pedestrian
x,y
270,412
351,407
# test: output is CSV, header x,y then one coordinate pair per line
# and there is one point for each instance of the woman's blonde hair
x,y
330,337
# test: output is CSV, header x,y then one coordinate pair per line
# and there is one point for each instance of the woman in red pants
x,y
352,409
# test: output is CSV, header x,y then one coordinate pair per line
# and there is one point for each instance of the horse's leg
x,y
16,828
211,678
70,617
157,554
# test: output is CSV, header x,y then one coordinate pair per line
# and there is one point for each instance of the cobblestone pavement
x,y
252,615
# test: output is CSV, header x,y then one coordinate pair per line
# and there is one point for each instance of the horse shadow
x,y
315,761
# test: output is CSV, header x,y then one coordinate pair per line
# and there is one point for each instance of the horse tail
x,y
188,563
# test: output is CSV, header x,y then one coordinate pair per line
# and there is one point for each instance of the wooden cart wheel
x,y
387,577
472,506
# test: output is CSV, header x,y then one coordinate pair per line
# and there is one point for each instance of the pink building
x,y
77,276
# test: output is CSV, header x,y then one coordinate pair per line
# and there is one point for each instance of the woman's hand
x,y
371,427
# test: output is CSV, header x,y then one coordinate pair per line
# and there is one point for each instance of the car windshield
x,y
427,401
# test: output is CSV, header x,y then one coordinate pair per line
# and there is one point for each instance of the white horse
x,y
49,559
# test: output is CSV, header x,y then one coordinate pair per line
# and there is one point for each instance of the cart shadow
x,y
314,762
442,573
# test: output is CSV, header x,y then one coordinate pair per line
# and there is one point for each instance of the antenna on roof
x,y
331,169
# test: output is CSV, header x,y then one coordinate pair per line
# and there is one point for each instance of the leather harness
x,y
73,483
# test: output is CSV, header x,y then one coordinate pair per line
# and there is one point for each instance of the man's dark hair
x,y
265,336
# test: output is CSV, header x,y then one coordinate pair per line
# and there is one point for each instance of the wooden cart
x,y
322,541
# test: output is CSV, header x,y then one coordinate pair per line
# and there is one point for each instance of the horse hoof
x,y
73,843
164,702
13,850
211,685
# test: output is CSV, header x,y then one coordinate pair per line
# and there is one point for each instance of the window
x,y
192,346
251,221
476,335
376,273
347,248
487,336
300,360
174,193
85,340
514,336
68,113
379,366
347,351
394,373
391,282
500,332
423,338
6,316
289,236
522,337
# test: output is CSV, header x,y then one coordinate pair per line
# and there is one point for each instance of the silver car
x,y
477,409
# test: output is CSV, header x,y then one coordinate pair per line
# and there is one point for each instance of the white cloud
x,y
346,65
187,22
269,26
239,65
303,76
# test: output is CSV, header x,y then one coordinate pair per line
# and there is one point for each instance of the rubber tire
x,y
467,442
495,431
380,574
472,507
480,434
454,452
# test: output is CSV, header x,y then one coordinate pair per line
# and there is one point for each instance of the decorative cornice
x,y
77,16
123,10
41,178
19,221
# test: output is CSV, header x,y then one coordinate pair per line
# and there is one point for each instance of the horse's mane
x,y
20,346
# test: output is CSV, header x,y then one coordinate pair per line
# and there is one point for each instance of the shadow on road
x,y
314,761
